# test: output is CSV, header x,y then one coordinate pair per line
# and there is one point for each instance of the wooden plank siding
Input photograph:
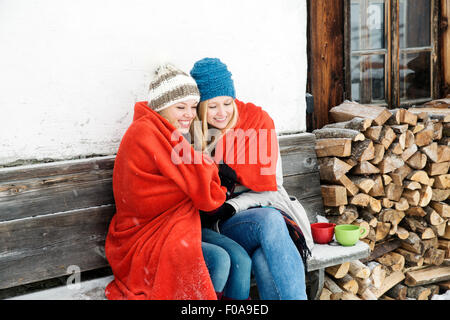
x,y
54,215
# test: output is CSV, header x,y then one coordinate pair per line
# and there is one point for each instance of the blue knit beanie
x,y
213,79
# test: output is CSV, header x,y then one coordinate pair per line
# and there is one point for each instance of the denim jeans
x,y
276,262
228,263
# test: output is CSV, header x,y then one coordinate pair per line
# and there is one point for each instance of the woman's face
x,y
219,111
181,114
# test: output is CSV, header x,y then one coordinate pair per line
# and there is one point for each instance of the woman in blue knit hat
x,y
259,215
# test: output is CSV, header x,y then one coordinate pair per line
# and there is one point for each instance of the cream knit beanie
x,y
170,86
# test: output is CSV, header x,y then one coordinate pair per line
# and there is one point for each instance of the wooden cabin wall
x,y
325,58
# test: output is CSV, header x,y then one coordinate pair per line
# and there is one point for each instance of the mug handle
x,y
362,231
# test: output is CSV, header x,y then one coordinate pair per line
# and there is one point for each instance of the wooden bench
x,y
54,218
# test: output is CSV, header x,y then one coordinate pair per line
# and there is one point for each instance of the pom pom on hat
x,y
170,86
213,79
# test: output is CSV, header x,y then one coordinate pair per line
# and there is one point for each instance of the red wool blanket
x,y
251,148
153,243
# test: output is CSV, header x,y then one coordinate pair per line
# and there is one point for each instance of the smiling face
x,y
219,111
181,115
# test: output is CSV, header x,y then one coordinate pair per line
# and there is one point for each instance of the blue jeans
x,y
228,263
276,262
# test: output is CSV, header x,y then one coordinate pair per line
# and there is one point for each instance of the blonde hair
x,y
203,116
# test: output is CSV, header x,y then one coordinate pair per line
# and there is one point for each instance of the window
x,y
390,51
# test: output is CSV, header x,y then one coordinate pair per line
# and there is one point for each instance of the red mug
x,y
322,232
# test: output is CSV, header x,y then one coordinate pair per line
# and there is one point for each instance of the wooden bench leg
x,y
316,279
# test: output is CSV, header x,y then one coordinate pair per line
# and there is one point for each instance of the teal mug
x,y
348,234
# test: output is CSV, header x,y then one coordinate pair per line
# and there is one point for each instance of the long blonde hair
x,y
206,144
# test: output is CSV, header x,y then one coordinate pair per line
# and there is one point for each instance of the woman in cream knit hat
x,y
154,242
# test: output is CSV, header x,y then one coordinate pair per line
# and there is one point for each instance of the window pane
x,y
415,76
367,24
368,78
414,23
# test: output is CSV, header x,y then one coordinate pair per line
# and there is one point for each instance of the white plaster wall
x,y
71,71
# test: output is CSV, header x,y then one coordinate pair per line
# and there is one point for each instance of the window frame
x,y
392,57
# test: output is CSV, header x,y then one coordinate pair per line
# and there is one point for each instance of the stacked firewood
x,y
388,172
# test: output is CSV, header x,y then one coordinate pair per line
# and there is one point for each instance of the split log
x,y
390,281
349,110
443,153
416,212
377,273
349,296
352,189
333,195
402,233
387,136
440,194
425,196
412,196
424,137
439,229
357,269
357,123
387,203
420,176
382,230
373,133
433,113
442,208
363,150
363,224
377,189
399,128
349,215
363,183
418,293
412,259
347,283
402,116
399,174
360,200
426,276
339,147
325,294
365,168
336,291
326,133
338,271
402,205
409,152
417,161
392,260
412,185
383,247
395,192
368,295
332,169
368,217
444,245
390,162
398,292
433,217
410,139
442,181
436,169
413,243
392,216
446,234
418,226
434,256
431,151
379,151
